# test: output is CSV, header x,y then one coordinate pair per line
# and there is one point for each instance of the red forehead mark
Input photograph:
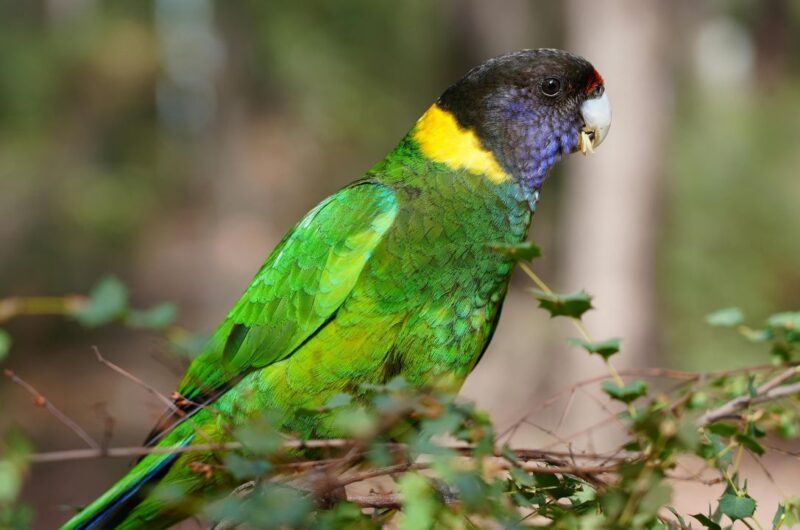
x,y
595,81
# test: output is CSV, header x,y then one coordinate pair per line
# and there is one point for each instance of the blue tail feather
x,y
114,511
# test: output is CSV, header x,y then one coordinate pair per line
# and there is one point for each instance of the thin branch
x,y
530,459
171,405
127,375
126,452
772,390
667,373
108,423
376,500
389,500
40,305
40,401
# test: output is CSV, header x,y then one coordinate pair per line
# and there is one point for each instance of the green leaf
x,y
354,421
419,503
781,353
788,514
737,507
547,481
5,344
627,393
107,302
654,499
339,400
243,468
525,251
583,494
10,481
523,478
259,437
706,522
698,400
604,349
750,443
717,450
509,455
157,317
723,429
787,321
678,516
570,305
727,318
780,516
788,425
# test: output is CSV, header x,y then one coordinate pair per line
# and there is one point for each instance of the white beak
x,y
596,113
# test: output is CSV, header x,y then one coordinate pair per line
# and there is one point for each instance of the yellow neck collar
x,y
442,139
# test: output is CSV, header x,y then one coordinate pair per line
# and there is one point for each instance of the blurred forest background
x,y
173,142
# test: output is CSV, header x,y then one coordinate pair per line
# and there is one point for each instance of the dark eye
x,y
551,86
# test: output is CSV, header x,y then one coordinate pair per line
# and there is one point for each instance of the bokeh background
x,y
173,142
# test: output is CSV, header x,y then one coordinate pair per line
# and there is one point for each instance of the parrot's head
x,y
524,111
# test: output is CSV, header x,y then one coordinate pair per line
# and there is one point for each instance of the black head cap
x,y
525,105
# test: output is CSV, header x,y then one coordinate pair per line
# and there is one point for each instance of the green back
x,y
391,276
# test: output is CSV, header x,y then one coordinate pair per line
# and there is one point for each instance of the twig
x,y
531,458
772,390
578,326
127,375
632,372
40,401
124,452
40,305
376,500
108,423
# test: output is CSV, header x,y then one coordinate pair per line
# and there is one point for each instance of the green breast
x,y
426,303
436,261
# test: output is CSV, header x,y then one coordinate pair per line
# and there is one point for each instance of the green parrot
x,y
391,276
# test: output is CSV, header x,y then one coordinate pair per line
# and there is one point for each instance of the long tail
x,y
111,510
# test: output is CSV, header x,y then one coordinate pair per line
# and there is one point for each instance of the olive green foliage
x,y
450,469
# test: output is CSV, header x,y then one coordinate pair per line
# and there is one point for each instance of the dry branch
x,y
41,401
127,375
40,305
772,390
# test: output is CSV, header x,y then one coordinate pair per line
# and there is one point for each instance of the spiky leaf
x,y
627,393
706,522
570,305
604,349
737,507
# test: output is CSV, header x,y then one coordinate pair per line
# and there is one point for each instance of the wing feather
x,y
296,292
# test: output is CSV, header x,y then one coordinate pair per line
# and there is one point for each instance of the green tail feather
x,y
111,509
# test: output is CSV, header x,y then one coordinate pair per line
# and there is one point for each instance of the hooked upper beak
x,y
596,114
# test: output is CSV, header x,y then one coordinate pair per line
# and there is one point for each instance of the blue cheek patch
x,y
540,138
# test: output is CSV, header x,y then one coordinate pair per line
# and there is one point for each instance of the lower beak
x,y
596,114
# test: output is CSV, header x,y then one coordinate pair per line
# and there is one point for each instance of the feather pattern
x,y
393,275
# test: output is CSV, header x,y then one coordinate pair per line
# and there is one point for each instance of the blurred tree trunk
x,y
485,29
610,218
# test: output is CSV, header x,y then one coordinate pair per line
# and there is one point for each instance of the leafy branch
x,y
447,465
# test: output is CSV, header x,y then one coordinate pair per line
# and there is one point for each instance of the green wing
x,y
297,291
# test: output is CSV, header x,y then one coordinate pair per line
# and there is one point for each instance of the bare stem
x,y
772,390
40,305
41,401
